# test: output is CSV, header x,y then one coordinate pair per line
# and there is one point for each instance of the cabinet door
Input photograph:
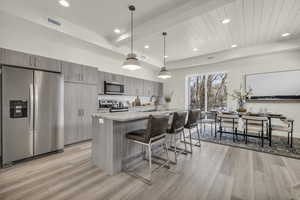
x,y
89,105
139,87
72,72
128,86
148,88
160,89
110,77
47,64
89,75
72,112
10,57
100,82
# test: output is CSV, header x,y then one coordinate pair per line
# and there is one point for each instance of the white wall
x,y
236,69
22,35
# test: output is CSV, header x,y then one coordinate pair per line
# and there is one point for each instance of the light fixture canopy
x,y
131,62
164,73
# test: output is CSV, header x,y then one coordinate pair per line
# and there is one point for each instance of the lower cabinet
x,y
80,104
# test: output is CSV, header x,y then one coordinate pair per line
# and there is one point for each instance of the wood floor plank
x,y
212,172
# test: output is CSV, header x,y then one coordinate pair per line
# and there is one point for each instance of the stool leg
x,y
191,144
198,136
175,149
150,157
184,140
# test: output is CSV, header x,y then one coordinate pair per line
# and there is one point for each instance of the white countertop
x,y
130,116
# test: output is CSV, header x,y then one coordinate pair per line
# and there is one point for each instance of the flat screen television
x,y
274,85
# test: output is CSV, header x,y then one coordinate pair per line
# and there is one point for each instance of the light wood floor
x,y
213,172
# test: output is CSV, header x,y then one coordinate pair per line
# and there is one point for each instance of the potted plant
x,y
241,97
168,99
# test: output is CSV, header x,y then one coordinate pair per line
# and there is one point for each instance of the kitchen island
x,y
111,151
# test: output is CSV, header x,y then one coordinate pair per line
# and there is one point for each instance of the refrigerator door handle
x,y
31,108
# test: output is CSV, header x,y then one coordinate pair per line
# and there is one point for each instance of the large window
x,y
207,91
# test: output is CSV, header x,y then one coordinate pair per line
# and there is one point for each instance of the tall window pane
x,y
216,91
197,92
208,92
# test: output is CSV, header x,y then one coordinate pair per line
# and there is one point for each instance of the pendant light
x,y
164,73
131,62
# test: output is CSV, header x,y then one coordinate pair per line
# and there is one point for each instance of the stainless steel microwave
x,y
113,88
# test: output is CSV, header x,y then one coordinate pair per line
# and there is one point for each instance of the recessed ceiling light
x,y
117,31
64,3
195,49
146,46
166,56
226,21
233,46
285,34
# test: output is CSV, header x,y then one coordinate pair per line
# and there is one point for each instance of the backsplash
x,y
123,99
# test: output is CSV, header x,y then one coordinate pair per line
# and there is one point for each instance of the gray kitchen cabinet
x,y
48,64
148,88
110,77
77,73
72,120
15,58
100,82
89,106
138,86
89,75
158,89
128,86
72,72
80,103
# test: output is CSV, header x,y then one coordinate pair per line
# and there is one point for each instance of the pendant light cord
x,y
164,34
131,32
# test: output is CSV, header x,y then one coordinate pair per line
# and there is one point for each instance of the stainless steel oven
x,y
113,88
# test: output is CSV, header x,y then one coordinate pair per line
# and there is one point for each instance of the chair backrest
x,y
178,122
193,117
157,125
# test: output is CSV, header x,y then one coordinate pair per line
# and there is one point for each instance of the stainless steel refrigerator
x,y
32,113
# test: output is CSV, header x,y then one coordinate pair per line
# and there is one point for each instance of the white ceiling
x,y
253,22
189,23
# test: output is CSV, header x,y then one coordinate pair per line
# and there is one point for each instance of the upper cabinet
x,y
89,75
15,58
100,82
109,77
148,88
79,73
48,64
72,72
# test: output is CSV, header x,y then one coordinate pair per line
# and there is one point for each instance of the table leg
x,y
270,131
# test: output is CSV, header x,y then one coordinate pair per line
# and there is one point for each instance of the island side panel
x,y
102,144
124,150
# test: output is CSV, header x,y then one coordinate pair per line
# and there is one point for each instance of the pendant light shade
x,y
131,62
164,73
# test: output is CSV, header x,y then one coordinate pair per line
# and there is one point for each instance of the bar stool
x,y
192,122
177,129
155,133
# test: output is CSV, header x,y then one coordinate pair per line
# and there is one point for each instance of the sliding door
x,y
207,91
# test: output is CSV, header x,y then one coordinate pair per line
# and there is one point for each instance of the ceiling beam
x,y
174,16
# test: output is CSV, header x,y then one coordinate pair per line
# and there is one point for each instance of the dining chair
x,y
286,126
255,126
228,121
207,118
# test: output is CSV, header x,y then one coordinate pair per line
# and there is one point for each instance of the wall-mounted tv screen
x,y
274,85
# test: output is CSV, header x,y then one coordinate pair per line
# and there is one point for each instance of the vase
x,y
241,107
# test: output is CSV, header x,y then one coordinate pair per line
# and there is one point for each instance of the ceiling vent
x,y
52,21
